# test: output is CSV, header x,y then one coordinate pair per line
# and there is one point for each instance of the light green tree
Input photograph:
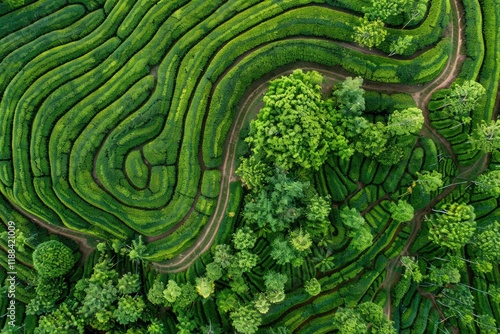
x,y
405,122
399,46
301,241
204,287
402,211
411,269
244,238
129,309
313,287
489,182
172,291
261,303
245,319
453,225
463,99
486,137
429,181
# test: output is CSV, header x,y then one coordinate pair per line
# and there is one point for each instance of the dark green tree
x,y
429,181
53,259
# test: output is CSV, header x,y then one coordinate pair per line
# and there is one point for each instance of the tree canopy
x,y
453,225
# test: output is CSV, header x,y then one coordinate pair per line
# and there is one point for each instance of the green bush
x,y
53,259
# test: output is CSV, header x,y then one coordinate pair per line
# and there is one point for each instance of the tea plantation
x,y
250,166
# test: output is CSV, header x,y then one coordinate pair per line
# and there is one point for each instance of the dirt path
x,y
78,237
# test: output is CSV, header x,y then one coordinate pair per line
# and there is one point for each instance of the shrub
x,y
53,259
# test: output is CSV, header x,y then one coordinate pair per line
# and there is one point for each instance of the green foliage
x,y
129,283
223,256
402,211
429,181
447,273
359,230
214,271
399,46
244,238
301,241
282,252
129,309
366,317
486,136
350,97
463,99
277,208
62,320
313,287
457,302
292,129
406,122
227,301
452,226
370,33
187,297
275,281
172,291
155,293
383,9
53,259
411,269
245,319
487,243
204,286
261,303
489,182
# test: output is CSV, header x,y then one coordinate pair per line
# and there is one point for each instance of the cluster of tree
x,y
371,32
365,318
453,226
297,130
107,301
